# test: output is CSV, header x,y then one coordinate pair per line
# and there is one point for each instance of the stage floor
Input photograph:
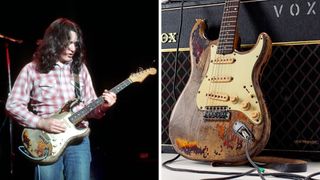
x,y
181,162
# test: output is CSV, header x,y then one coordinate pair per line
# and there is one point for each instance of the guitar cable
x,y
258,169
233,175
23,150
38,172
239,174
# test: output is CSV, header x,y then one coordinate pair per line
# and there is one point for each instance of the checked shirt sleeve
x,y
17,102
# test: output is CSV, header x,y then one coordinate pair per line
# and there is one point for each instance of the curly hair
x,y
55,40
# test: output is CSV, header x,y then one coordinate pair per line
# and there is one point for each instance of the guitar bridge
x,y
216,113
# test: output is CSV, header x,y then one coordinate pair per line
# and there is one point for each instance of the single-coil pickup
x,y
221,79
218,96
224,60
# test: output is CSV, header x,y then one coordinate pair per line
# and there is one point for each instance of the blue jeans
x,y
73,164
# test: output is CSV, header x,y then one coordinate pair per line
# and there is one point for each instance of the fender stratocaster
x,y
221,109
45,148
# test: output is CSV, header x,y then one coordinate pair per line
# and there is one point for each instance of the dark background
x,y
120,36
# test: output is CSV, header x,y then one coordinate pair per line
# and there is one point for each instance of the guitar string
x,y
214,87
229,29
220,70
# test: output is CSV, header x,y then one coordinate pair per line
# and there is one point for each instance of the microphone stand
x,y
12,154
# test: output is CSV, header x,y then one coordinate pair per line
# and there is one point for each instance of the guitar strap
x,y
281,164
77,86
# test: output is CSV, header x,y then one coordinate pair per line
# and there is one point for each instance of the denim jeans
x,y
73,164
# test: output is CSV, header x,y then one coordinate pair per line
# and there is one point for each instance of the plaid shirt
x,y
37,95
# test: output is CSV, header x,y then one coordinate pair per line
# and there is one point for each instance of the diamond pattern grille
x,y
172,81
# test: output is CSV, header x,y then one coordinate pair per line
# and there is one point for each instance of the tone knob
x,y
254,115
245,105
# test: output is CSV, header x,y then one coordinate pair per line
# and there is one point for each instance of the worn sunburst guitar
x,y
45,148
221,111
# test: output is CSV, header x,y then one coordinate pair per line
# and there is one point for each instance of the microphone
x,y
11,39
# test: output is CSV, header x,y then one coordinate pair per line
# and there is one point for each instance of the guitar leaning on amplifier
x,y
221,112
45,148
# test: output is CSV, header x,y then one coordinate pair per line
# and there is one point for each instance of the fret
x,y
225,45
231,10
226,39
233,1
225,50
233,14
229,26
230,43
228,30
230,21
232,6
229,17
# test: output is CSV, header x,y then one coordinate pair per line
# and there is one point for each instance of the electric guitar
x,y
45,148
221,112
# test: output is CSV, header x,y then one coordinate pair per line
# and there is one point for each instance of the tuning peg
x,y
140,69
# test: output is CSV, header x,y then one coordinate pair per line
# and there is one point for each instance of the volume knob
x,y
234,99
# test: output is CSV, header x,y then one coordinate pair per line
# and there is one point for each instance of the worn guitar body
x,y
221,100
40,143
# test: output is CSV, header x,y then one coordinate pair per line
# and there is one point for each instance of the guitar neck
x,y
228,27
78,116
121,86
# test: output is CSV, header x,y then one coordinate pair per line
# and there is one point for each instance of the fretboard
x,y
78,116
228,27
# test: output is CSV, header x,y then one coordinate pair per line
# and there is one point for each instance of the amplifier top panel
x,y
283,20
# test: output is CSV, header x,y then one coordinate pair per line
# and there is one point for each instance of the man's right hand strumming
x,y
51,125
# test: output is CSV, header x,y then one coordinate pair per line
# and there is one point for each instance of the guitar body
x,y
222,97
40,143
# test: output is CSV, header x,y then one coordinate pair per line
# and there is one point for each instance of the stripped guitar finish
x,y
222,106
45,148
